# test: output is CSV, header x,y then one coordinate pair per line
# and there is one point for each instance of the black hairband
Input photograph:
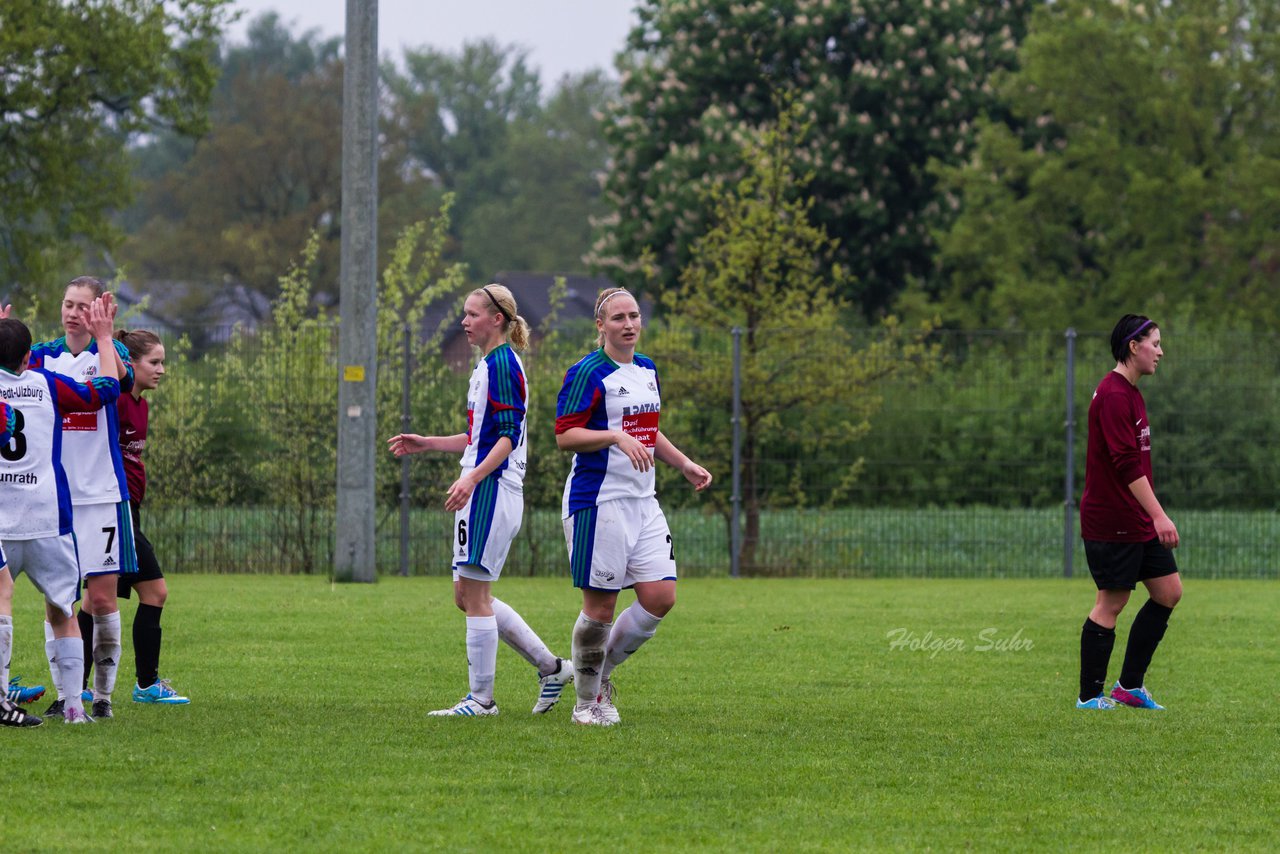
x,y
500,309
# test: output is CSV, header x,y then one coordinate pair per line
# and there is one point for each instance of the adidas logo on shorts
x,y
110,561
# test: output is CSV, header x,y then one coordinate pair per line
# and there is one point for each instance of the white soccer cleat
x,y
590,714
552,686
605,702
467,707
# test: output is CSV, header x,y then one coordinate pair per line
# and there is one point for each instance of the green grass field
x,y
766,715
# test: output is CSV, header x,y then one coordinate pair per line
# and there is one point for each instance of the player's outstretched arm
x,y
411,443
667,452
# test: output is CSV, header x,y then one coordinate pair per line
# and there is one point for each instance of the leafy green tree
x,y
524,171
80,78
1146,180
809,381
266,177
888,85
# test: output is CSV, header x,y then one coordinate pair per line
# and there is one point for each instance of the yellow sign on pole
x,y
353,373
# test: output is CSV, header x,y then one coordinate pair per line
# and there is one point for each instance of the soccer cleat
x,y
76,716
86,696
467,707
160,692
590,714
1099,702
553,686
1139,698
12,716
102,709
56,708
19,693
605,702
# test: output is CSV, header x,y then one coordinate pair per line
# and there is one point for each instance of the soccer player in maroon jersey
x,y
146,351
1127,535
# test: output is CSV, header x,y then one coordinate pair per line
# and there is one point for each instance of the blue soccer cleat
x,y
19,693
159,692
1101,702
1138,698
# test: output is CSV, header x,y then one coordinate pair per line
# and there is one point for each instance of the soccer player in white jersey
x,y
96,475
35,517
488,502
11,715
607,414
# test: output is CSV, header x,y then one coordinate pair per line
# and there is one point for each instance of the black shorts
x,y
1120,566
148,566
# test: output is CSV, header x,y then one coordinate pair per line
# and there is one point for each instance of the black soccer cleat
x,y
12,715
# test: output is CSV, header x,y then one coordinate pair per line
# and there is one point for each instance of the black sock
x,y
1095,653
146,644
1144,637
85,620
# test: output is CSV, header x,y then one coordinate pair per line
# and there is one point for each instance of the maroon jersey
x,y
1119,453
132,412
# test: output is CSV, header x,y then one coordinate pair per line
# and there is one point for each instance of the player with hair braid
x,y
488,502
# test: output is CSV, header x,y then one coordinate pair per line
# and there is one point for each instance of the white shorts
x,y
104,538
619,543
50,563
484,530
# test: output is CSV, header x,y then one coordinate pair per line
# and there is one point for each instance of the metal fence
x,y
966,461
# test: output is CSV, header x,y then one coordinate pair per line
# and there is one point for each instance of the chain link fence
x,y
970,464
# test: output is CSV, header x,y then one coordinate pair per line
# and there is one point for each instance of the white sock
x,y
6,649
589,638
69,654
106,654
633,627
51,653
515,633
482,656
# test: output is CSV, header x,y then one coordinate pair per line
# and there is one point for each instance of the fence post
x,y
1068,504
735,499
404,461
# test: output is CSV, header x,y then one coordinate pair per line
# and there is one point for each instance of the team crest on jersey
x,y
652,387
90,371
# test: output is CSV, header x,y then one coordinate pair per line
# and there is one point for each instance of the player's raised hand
x,y
101,318
408,443
111,305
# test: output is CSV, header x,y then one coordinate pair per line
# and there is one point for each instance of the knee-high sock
x,y
1145,635
6,650
51,653
146,644
482,656
631,629
589,639
106,654
85,621
515,633
69,653
1095,652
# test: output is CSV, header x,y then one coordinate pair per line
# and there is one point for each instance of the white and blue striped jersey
x,y
497,403
600,394
91,444
37,502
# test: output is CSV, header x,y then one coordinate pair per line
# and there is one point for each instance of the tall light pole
x,y
353,556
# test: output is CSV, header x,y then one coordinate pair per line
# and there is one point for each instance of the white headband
x,y
618,292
